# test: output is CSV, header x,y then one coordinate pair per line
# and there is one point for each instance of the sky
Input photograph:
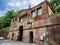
x,y
15,5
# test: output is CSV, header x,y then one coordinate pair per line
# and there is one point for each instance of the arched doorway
x,y
31,37
20,33
12,36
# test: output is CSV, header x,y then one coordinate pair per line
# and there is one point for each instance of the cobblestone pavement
x,y
9,42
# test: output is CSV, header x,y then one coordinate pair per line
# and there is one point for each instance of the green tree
x,y
56,5
6,19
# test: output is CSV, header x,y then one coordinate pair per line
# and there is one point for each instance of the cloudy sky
x,y
6,5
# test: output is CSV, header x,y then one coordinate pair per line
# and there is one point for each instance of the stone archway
x,y
31,37
20,37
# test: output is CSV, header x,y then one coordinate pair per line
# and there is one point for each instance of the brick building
x,y
32,25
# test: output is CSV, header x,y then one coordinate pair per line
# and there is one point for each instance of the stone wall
x,y
3,33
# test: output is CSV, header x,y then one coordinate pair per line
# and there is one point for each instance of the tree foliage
x,y
56,5
6,19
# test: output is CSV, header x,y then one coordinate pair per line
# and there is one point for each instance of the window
x,y
39,11
19,19
33,14
13,20
23,18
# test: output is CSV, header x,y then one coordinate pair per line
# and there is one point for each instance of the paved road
x,y
9,42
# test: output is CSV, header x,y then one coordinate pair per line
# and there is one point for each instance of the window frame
x,y
38,10
32,13
21,19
